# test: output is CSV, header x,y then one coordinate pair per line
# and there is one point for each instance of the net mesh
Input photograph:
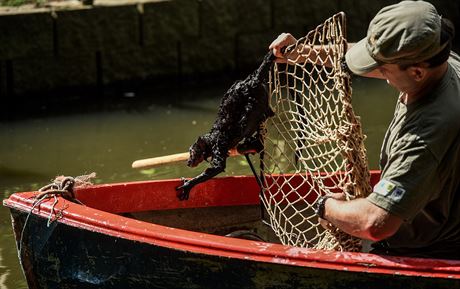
x,y
314,144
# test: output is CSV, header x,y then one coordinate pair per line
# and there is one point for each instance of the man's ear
x,y
418,72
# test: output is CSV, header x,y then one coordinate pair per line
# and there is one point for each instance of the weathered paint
x,y
89,247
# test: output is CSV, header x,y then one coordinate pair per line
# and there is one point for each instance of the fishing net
x,y
314,143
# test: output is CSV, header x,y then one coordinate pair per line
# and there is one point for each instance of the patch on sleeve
x,y
388,189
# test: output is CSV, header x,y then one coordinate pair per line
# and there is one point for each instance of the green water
x,y
109,137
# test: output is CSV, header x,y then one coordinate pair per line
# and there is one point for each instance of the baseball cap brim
x,y
359,59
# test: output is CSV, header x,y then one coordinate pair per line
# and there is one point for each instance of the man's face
x,y
402,80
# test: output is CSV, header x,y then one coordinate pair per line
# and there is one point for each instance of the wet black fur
x,y
243,108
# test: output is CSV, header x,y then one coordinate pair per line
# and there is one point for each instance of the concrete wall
x,y
52,49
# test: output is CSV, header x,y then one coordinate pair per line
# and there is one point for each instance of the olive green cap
x,y
405,33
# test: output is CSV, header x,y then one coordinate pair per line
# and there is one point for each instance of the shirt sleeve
x,y
409,180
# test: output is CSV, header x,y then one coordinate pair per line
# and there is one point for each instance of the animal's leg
x,y
183,191
218,164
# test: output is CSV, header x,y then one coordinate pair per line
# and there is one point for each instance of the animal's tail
x,y
261,73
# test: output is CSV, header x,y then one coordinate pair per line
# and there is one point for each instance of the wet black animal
x,y
243,108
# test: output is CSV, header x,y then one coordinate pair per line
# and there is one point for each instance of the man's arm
x,y
314,55
361,218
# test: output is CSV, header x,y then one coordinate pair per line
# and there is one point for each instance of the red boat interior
x,y
220,206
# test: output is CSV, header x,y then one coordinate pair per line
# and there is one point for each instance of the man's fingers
x,y
277,53
325,224
283,40
278,41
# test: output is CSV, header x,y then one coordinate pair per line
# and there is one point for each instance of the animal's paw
x,y
183,191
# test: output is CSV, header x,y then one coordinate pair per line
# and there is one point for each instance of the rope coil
x,y
64,187
61,186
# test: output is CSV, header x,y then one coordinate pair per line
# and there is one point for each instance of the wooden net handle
x,y
168,159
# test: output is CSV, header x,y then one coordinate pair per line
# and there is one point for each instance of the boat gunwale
x,y
103,222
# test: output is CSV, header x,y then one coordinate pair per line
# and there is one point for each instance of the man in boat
x,y
415,208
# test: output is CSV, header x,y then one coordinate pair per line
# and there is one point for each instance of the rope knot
x,y
64,186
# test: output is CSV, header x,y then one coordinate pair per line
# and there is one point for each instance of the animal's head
x,y
199,151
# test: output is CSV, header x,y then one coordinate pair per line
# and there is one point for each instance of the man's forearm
x,y
361,218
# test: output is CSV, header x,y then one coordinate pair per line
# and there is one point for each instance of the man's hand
x,y
325,224
282,41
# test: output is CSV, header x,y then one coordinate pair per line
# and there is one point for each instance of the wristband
x,y
320,206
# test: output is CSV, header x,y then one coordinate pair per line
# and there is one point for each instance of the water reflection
x,y
106,141
4,271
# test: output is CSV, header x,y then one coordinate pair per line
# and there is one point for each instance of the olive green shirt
x,y
420,162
